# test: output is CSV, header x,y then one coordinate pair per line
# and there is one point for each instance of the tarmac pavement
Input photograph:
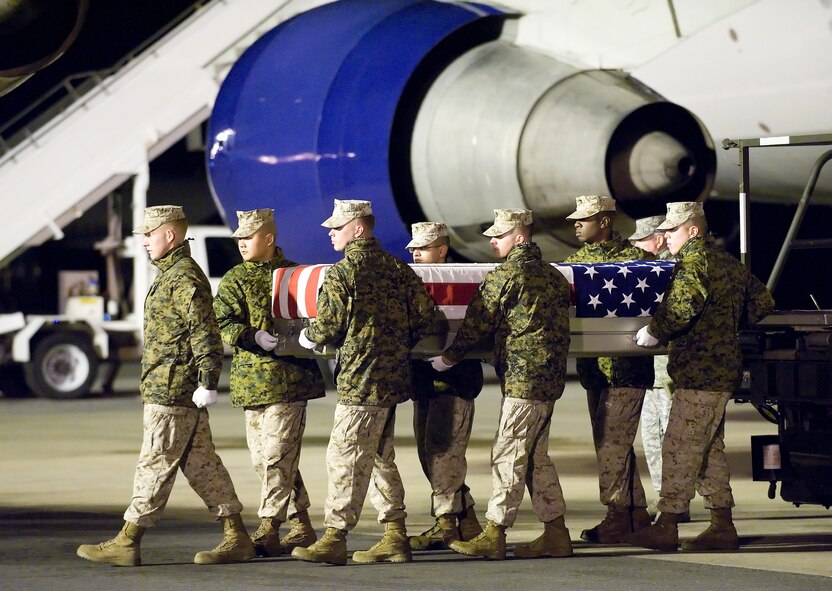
x,y
66,470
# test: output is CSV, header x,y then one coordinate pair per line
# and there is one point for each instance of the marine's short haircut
x,y
368,221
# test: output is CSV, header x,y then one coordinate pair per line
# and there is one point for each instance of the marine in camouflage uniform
x,y
181,365
615,387
523,305
656,407
443,413
373,308
710,297
272,390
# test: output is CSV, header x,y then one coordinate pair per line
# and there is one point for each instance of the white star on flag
x,y
619,289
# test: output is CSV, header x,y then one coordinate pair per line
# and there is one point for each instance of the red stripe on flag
x,y
311,295
278,279
452,294
294,278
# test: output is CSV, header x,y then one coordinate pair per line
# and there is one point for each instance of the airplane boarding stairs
x,y
113,131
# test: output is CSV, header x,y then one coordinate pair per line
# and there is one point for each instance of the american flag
x,y
617,290
599,290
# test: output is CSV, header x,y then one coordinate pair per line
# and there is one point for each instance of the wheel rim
x,y
65,368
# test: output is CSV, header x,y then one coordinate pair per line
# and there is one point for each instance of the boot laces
x,y
434,532
611,517
264,531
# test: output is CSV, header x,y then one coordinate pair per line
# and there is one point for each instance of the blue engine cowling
x,y
431,111
310,112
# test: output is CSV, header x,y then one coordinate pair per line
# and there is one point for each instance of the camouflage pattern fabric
x,y
360,450
693,452
656,409
182,344
617,422
176,437
661,378
442,427
243,306
373,308
523,306
273,434
627,372
711,296
654,417
519,459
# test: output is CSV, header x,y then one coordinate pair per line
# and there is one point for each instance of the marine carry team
x,y
373,309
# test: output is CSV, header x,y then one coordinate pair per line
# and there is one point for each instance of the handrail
x,y
71,92
789,242
797,220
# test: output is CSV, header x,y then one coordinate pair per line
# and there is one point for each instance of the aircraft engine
x,y
430,110
33,34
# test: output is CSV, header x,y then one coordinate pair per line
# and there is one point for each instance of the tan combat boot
x,y
491,543
443,532
469,527
394,546
235,546
662,535
122,550
615,526
266,539
332,548
639,518
720,535
301,534
554,543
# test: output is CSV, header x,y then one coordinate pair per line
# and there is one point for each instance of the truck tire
x,y
64,366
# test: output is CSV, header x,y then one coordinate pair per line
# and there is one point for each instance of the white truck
x,y
60,356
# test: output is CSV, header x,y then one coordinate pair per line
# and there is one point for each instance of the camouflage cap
x,y
157,215
506,220
345,210
646,227
681,211
426,232
248,222
589,205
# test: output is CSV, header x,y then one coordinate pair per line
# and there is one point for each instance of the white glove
x,y
203,397
645,339
266,341
304,341
438,363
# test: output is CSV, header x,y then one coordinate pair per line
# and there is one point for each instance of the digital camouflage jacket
x,y
523,306
182,344
243,306
711,296
619,372
373,308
